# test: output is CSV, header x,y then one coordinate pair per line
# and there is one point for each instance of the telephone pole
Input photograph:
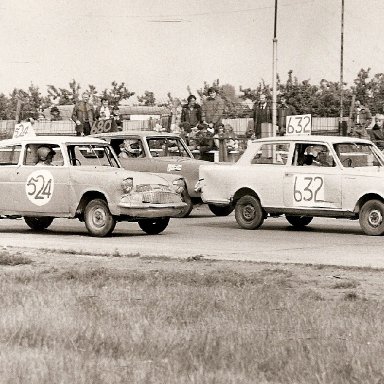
x,y
274,71
341,61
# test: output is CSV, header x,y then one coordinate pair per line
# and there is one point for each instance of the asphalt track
x,y
324,241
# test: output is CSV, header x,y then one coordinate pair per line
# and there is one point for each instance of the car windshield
x,y
91,154
167,147
358,155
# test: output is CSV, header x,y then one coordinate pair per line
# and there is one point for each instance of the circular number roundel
x,y
39,187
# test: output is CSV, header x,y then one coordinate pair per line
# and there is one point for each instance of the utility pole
x,y
341,64
274,71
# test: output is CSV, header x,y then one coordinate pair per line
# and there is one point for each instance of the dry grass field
x,y
71,318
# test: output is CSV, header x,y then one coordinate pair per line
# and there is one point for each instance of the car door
x,y
266,171
314,180
9,164
42,188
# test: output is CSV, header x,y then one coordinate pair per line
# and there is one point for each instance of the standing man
x,y
283,111
213,109
262,113
377,132
83,115
361,120
191,112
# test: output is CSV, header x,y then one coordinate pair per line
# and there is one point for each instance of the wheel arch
x,y
243,192
363,199
85,199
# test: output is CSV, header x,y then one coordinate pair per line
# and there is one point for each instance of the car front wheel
x,y
38,223
188,209
98,219
299,221
153,226
248,212
221,210
371,218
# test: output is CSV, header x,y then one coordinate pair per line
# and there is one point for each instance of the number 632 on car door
x,y
308,190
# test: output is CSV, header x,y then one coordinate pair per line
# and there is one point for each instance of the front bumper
x,y
148,210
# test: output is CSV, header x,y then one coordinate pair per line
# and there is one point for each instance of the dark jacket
x,y
261,115
193,116
282,112
83,111
377,136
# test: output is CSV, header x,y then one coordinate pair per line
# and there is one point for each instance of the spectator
x,y
104,111
262,113
377,132
117,122
191,112
55,114
204,141
361,119
213,109
185,130
284,110
83,115
232,141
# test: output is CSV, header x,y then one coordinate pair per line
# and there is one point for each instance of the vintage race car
x,y
149,151
301,177
83,179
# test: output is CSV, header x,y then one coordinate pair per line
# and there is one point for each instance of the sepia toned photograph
x,y
191,192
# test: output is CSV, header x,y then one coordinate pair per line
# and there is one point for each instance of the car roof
x,y
136,133
53,140
312,138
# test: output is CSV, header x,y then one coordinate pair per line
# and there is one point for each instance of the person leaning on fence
x,y
204,141
361,120
83,115
377,132
55,113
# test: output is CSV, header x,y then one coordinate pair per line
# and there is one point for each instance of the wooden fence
x,y
320,125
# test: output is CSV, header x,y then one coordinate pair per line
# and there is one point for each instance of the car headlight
x,y
179,185
127,185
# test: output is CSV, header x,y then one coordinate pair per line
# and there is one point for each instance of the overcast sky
x,y
165,45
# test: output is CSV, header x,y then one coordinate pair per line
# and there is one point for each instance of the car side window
x,y
312,154
32,158
9,155
272,153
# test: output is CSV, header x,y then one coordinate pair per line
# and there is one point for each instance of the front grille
x,y
160,197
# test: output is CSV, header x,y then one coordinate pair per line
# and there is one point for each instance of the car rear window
x,y
10,155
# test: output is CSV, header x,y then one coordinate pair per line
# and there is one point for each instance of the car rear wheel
x,y
248,212
371,218
98,219
299,221
221,210
154,226
188,209
38,223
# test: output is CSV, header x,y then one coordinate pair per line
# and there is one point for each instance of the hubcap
x,y
375,218
99,217
248,212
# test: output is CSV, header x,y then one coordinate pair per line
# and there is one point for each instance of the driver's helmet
x,y
44,152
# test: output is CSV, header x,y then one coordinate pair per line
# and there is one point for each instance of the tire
x,y
188,209
154,226
248,212
38,223
299,221
371,218
98,219
221,210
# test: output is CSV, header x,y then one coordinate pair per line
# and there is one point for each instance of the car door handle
x,y
289,174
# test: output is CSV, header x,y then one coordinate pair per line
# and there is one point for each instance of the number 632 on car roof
x,y
299,125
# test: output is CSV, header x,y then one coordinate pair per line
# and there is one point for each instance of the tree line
x,y
320,100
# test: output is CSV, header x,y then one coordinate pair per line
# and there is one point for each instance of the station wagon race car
x,y
301,177
44,177
149,151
